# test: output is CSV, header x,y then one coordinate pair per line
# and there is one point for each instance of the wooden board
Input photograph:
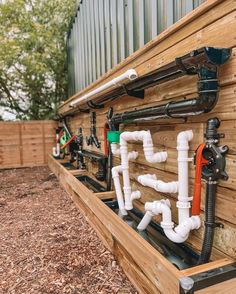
x,y
147,269
26,143
200,28
214,24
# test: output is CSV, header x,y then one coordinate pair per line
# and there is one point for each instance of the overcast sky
x,y
6,115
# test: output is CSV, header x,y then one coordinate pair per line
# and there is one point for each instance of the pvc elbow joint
x,y
183,138
56,151
114,149
160,186
116,170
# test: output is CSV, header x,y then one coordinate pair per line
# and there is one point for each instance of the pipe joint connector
x,y
132,155
183,204
127,190
135,195
166,225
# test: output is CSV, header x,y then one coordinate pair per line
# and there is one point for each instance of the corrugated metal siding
x,y
105,32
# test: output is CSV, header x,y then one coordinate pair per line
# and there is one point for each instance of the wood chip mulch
x,y
46,245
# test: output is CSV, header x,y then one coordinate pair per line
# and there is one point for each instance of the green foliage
x,y
33,56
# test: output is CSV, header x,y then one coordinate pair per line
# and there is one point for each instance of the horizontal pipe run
x,y
130,74
203,62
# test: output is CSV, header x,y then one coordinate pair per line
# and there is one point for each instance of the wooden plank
x,y
24,144
147,269
165,47
206,267
227,287
154,266
106,195
214,24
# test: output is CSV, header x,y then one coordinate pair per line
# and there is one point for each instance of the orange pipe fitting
x,y
200,162
68,142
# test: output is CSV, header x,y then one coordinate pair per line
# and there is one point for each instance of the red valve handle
x,y
68,142
200,162
105,130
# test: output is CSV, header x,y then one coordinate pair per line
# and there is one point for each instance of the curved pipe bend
x,y
178,234
160,186
56,150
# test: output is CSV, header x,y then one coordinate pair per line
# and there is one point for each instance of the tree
x,y
33,75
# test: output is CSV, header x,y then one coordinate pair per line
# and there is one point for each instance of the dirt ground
x,y
46,245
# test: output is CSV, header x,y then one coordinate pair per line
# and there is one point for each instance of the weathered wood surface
x,y
148,270
228,287
212,24
201,27
26,143
131,249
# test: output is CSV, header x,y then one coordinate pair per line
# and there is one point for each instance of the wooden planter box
x,y
146,268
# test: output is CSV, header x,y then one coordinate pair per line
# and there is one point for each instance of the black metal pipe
x,y
203,62
209,223
109,167
100,159
93,139
212,172
190,64
205,102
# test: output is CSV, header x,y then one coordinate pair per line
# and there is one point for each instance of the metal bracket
x,y
93,105
188,285
84,110
135,93
183,68
219,225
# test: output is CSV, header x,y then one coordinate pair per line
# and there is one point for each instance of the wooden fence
x,y
26,143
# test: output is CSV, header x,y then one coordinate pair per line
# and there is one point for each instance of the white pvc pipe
x,y
183,202
150,156
178,234
115,149
119,195
160,186
56,150
115,175
130,74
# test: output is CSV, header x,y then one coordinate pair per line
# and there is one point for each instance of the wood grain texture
x,y
146,268
212,24
27,143
120,238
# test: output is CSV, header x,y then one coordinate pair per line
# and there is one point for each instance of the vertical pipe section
x,y
209,223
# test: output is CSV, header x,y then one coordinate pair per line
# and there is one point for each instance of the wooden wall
x,y
26,143
212,24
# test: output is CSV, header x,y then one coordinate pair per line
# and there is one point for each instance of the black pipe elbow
x,y
211,130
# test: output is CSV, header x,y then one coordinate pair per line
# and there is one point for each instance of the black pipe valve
x,y
214,154
93,139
